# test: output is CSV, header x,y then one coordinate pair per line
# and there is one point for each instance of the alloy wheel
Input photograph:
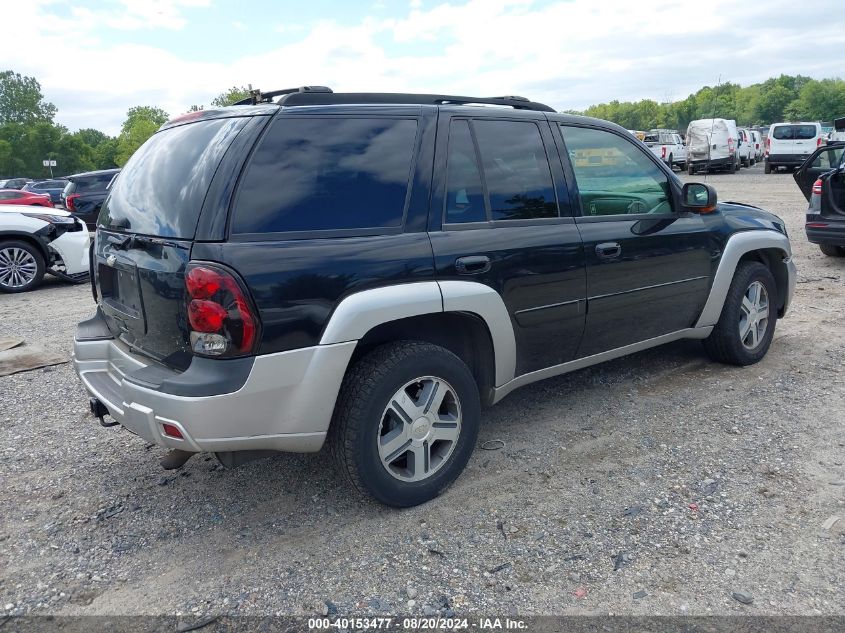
x,y
419,429
17,267
754,315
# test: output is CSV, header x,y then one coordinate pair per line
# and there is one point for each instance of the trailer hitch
x,y
99,411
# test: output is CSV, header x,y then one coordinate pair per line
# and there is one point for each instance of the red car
x,y
16,196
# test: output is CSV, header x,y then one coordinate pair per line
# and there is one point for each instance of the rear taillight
x,y
819,142
221,315
70,201
817,187
663,152
730,146
768,145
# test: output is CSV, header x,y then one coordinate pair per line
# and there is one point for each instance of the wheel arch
x,y
29,238
483,334
767,246
773,259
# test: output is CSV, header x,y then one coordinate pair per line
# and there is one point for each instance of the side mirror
x,y
698,197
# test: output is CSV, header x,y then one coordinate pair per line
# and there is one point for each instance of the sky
x,y
97,58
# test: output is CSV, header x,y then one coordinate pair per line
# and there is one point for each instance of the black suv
x,y
84,194
372,269
822,181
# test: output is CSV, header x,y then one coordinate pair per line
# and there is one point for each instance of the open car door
x,y
821,161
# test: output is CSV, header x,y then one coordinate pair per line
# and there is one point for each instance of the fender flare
x,y
360,312
738,245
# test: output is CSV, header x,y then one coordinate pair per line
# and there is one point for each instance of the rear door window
x,y
795,132
162,187
516,170
327,174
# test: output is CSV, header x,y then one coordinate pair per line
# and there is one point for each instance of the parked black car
x,y
53,188
84,194
822,181
369,270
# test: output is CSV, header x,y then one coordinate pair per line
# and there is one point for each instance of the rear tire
x,y
21,266
690,169
743,335
832,251
386,440
767,167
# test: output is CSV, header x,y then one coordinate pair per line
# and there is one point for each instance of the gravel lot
x,y
657,484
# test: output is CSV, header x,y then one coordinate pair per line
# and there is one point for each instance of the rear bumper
x,y
832,234
786,160
716,163
285,402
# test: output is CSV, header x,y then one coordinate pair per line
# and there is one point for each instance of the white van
x,y
745,148
712,144
789,144
757,140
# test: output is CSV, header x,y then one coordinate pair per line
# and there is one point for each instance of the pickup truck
x,y
668,147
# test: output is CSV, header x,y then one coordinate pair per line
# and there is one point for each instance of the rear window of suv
x,y
163,185
327,174
794,132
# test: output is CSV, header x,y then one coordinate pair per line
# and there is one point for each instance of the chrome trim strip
x,y
738,245
587,361
551,305
627,292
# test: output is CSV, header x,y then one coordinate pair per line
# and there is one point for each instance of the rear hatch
x,y
698,143
145,232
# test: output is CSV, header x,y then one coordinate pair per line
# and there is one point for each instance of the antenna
x,y
712,126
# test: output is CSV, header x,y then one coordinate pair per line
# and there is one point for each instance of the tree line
x,y
30,135
784,98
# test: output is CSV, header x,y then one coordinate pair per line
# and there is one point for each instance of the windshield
x,y
161,189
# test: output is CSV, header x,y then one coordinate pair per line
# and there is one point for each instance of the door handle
x,y
608,250
472,264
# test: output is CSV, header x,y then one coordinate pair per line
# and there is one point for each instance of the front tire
x,y
747,323
405,422
21,266
832,251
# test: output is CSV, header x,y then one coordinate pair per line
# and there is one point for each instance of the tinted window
x,y
828,159
93,183
794,132
327,173
516,170
161,189
464,191
614,176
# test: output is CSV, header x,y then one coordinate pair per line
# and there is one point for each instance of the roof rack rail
x,y
256,96
324,96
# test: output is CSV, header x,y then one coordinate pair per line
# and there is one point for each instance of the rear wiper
x,y
132,240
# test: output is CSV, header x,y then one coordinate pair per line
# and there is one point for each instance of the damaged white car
x,y
35,241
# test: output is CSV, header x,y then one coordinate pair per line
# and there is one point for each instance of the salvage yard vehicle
x,y
84,194
822,181
745,147
668,146
25,198
712,145
757,140
369,270
789,144
38,241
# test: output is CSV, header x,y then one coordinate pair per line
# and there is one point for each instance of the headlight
x,y
52,219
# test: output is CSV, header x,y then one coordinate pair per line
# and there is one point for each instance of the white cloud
x,y
568,54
